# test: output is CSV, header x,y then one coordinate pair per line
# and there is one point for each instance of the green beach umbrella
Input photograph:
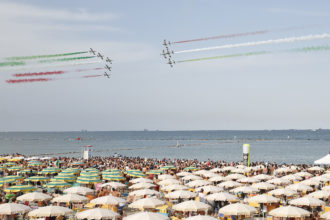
x,y
34,163
59,184
9,164
20,188
78,163
190,168
157,172
15,168
114,178
169,167
90,175
27,171
69,179
50,170
3,181
37,179
87,180
13,178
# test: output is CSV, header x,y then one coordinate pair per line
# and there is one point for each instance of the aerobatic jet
x,y
100,55
106,75
92,51
168,53
171,62
108,60
107,67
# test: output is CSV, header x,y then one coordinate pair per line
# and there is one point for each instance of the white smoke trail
x,y
282,40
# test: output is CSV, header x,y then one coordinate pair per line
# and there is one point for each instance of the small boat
x,y
178,145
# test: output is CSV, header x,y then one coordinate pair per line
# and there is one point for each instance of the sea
x,y
280,146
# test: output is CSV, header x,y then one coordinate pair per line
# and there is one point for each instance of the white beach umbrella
x,y
263,199
234,176
216,170
306,201
279,181
264,186
304,174
72,198
263,177
183,194
183,173
248,180
141,180
191,177
98,214
245,189
299,187
174,187
315,168
217,179
228,168
323,178
229,184
34,197
146,216
210,175
168,182
201,217
79,190
283,170
143,192
282,192
13,208
115,185
146,203
191,206
201,172
108,200
165,176
239,170
326,188
237,209
142,185
320,194
292,177
198,183
209,189
289,212
310,182
50,211
222,196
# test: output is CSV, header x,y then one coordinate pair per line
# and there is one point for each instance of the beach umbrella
x,y
323,179
299,187
113,178
229,184
50,211
79,190
97,213
50,170
13,208
183,194
248,180
168,182
108,200
228,168
202,172
156,172
78,163
8,178
289,212
37,179
201,217
239,170
114,185
283,170
263,199
326,215
165,176
310,182
15,168
217,179
34,197
147,203
141,180
245,189
279,181
174,187
282,192
86,180
191,177
234,176
27,171
315,168
209,189
69,179
169,167
183,173
263,177
190,168
237,209
320,194
304,174
198,183
71,198
33,163
264,186
146,216
216,170
222,196
9,164
143,192
57,184
292,177
306,201
91,169
3,181
326,188
142,185
20,188
191,206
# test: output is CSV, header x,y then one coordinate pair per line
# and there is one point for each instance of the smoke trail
x,y
225,56
311,49
45,56
91,76
11,64
282,40
223,36
13,81
52,72
66,59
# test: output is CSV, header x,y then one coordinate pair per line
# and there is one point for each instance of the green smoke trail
x,y
66,59
45,56
311,49
226,56
2,64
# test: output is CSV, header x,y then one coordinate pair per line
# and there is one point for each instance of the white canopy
x,y
323,160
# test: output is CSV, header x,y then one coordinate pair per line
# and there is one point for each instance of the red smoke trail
x,y
51,72
90,76
223,36
28,80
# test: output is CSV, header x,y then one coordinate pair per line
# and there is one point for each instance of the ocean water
x,y
281,146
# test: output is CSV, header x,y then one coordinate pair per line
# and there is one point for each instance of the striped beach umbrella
x,y
190,168
87,180
78,163
15,168
69,179
156,172
37,179
4,181
13,177
34,163
59,184
27,171
20,188
89,175
169,167
114,178
50,170
9,164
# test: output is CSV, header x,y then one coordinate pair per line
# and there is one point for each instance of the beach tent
x,y
324,160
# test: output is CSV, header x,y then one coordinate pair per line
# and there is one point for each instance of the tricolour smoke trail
x,y
45,56
5,64
13,81
52,72
66,59
282,40
223,36
301,50
225,56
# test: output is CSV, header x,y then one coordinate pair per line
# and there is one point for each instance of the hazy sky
x,y
275,91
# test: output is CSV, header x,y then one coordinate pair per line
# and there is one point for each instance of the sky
x,y
280,90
